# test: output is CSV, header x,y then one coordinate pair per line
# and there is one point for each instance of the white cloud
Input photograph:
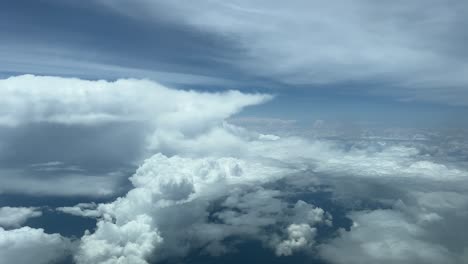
x,y
299,236
175,195
213,180
81,209
392,161
173,121
307,213
310,42
162,186
177,192
385,236
268,137
28,245
131,242
17,216
441,200
29,98
428,197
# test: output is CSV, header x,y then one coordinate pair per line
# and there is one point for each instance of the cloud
x,y
385,47
81,209
197,203
299,236
200,200
29,245
17,216
207,183
369,160
62,60
385,236
441,200
131,242
408,206
99,131
68,184
307,213
29,98
268,137
221,186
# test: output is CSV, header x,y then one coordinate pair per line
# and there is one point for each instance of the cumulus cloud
x,y
198,203
131,242
299,236
17,216
309,214
29,245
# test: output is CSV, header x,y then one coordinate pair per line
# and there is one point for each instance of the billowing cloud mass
x,y
174,196
198,203
17,216
94,133
299,236
131,242
201,202
29,245
250,130
206,185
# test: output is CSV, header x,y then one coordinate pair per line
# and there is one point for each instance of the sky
x,y
233,131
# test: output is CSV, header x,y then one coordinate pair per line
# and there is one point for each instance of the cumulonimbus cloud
x,y
125,117
206,181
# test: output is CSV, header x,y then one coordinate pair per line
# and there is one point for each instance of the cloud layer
x,y
408,50
206,185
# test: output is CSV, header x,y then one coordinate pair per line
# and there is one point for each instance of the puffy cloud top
x,y
132,242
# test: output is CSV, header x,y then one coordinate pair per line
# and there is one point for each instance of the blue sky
x,y
141,131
